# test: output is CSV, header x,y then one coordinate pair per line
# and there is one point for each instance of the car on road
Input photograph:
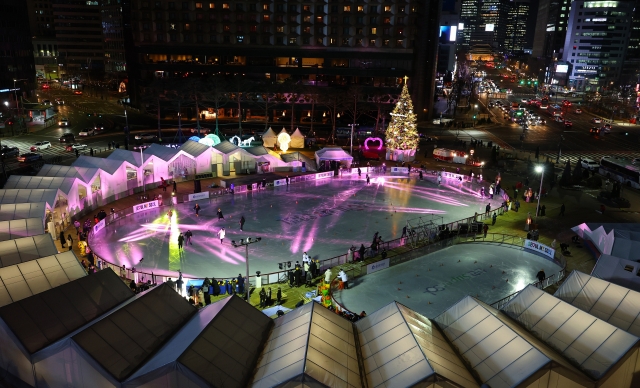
x,y
63,122
45,86
579,111
9,151
145,136
59,101
67,138
568,123
596,120
589,164
607,126
141,147
77,92
594,131
29,157
87,132
41,145
73,147
46,102
99,126
524,100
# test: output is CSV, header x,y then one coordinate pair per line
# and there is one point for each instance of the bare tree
x,y
240,86
333,101
214,95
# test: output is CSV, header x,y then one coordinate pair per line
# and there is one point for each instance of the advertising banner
x,y
145,206
399,170
280,182
197,196
322,175
540,248
99,226
377,266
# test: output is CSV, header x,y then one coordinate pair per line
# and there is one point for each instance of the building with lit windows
x,y
112,33
468,22
631,67
596,42
516,26
316,42
551,29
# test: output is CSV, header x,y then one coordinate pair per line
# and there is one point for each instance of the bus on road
x,y
626,171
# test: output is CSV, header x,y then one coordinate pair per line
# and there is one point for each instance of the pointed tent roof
x,y
226,147
291,156
33,277
229,330
269,133
590,343
194,148
85,174
26,249
131,157
29,196
162,152
17,228
401,348
297,133
284,130
16,211
109,166
257,150
40,182
40,320
309,345
610,302
501,352
123,340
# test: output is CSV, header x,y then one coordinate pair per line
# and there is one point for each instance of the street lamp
x,y
474,115
246,244
540,170
15,93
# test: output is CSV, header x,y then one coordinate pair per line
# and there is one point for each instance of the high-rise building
x,y
115,65
498,23
316,42
551,29
516,26
631,67
468,22
448,36
596,43
43,38
492,24
16,53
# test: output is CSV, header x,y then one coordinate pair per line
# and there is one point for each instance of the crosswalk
x,y
574,156
55,155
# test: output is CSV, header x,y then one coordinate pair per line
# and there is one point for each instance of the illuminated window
x,y
386,21
385,42
372,42
399,31
346,8
387,8
265,7
319,19
319,42
307,30
332,41
360,8
359,42
280,29
212,6
374,31
199,5
225,6
306,8
226,28
292,40
187,27
399,43
265,18
307,19
345,41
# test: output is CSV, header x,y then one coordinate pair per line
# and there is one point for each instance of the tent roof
x,y
269,133
86,174
401,348
42,319
333,153
123,340
162,152
618,270
610,302
40,182
257,150
226,147
194,148
22,210
131,157
309,344
220,344
590,343
17,228
291,156
501,352
284,130
110,166
616,226
626,244
29,196
297,133
26,249
23,280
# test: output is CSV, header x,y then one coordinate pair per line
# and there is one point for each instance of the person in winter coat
x,y
70,242
220,216
494,218
179,283
63,240
313,268
279,296
491,192
180,241
361,252
327,276
242,223
344,278
269,300
214,289
309,279
188,236
221,234
205,291
306,268
263,298
197,209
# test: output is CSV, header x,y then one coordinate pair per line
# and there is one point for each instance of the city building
x,y
316,42
468,22
43,39
549,36
502,24
517,26
631,66
448,38
492,23
115,64
596,43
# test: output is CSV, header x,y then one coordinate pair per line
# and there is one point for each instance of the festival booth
x,y
477,330
329,156
117,177
266,160
178,165
610,302
298,161
269,138
21,227
233,159
18,211
230,329
395,333
111,348
25,249
35,323
605,353
73,191
311,347
297,139
618,270
204,155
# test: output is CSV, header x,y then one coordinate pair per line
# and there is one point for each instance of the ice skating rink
x,y
323,218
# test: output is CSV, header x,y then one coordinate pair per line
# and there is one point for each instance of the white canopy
x,y
24,227
269,138
40,182
10,212
401,348
29,196
26,249
590,343
297,139
120,155
86,174
610,302
110,166
621,271
162,152
333,153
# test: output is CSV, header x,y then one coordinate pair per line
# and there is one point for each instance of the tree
x,y
577,172
402,132
565,180
332,100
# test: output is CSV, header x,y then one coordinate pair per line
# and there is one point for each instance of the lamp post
x,y
352,126
15,93
474,115
246,244
540,170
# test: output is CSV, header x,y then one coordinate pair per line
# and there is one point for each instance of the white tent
x,y
501,352
591,344
311,347
32,277
72,188
297,139
86,174
231,330
269,138
401,348
602,240
11,196
334,154
26,249
620,271
23,210
37,322
24,227
610,302
203,155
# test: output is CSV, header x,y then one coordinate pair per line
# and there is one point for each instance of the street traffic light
x,y
474,117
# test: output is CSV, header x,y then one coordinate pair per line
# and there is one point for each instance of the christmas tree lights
x,y
402,132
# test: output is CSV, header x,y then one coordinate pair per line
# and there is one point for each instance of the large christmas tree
x,y
402,132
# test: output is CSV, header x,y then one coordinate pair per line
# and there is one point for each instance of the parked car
x,y
141,147
579,111
29,157
41,145
46,102
594,131
589,164
63,122
596,120
73,147
67,138
145,136
59,101
9,151
87,132
99,126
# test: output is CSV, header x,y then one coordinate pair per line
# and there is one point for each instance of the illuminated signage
x,y
562,68
489,27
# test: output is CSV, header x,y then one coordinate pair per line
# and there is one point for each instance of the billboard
x,y
562,68
448,34
489,27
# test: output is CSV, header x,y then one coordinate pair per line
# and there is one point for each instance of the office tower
x,y
551,29
16,52
468,22
596,42
115,65
492,24
43,38
448,36
316,42
516,26
631,67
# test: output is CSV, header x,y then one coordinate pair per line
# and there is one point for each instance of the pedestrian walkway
x,y
575,156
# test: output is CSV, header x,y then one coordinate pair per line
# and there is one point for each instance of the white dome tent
x,y
269,138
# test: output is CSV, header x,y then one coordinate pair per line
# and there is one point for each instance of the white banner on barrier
x,y
322,175
400,170
280,182
540,248
453,175
377,266
99,226
197,196
145,206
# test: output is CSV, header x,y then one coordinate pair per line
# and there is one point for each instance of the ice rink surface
x,y
323,218
433,283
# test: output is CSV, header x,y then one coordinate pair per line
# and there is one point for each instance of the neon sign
x,y
366,142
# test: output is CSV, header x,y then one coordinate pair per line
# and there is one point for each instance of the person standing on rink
x,y
241,223
197,209
221,234
220,216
